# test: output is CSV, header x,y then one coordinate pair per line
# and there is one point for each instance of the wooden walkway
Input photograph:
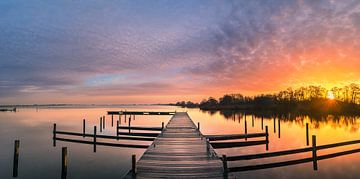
x,y
180,151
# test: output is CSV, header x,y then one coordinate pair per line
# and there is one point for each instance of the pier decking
x,y
180,151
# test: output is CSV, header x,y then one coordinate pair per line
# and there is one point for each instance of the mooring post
x,y
117,130
314,155
64,161
104,122
207,145
54,135
112,120
16,158
162,126
95,138
279,127
224,160
252,121
133,166
307,134
119,118
83,127
274,124
198,126
245,129
262,122
101,124
129,124
267,137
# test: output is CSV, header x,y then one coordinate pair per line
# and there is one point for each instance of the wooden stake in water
x,y
54,135
104,122
112,120
117,129
314,155
83,127
198,126
95,138
16,158
252,122
307,134
133,166
245,129
225,167
274,125
279,127
101,123
129,124
267,137
262,122
64,163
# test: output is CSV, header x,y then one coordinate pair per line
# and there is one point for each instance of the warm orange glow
x,y
330,95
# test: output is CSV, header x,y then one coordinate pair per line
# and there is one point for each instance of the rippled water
x,y
39,159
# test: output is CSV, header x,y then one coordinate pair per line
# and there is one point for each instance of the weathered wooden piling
x,y
16,158
64,162
119,118
252,121
104,122
267,137
307,134
262,122
95,138
274,124
54,135
83,127
162,126
314,155
117,129
133,166
245,129
279,128
112,120
198,127
225,167
129,124
101,123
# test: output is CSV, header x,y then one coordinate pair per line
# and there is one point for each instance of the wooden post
x,y
162,126
224,160
267,137
245,129
101,124
133,166
95,138
64,161
314,155
83,127
129,123
274,124
117,129
198,126
252,122
134,117
119,118
104,122
262,122
54,135
16,158
307,134
125,116
112,120
279,127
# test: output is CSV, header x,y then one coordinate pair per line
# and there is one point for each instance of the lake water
x,y
39,159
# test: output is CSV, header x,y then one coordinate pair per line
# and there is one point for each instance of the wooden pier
x,y
180,151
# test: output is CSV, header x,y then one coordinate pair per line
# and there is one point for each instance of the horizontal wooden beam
x,y
103,143
139,134
141,128
234,136
219,145
106,136
139,113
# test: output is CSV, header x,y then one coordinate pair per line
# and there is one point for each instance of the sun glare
x,y
330,95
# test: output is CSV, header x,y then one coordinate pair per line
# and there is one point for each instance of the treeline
x,y
311,99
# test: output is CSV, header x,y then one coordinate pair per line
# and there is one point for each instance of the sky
x,y
120,52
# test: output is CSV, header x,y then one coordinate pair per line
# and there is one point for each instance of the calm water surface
x,y
39,159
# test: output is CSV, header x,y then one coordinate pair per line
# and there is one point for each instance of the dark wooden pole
x,y
112,120
279,128
83,127
104,122
198,126
245,129
162,126
314,155
129,124
252,122
95,138
262,122
119,118
274,124
225,167
16,158
267,137
117,129
133,166
101,123
54,135
307,134
64,161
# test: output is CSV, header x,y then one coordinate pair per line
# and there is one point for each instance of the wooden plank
x,y
234,136
139,113
141,128
179,151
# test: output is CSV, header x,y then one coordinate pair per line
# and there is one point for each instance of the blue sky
x,y
162,51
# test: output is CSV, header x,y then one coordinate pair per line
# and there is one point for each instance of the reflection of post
x,y
245,130
239,117
95,138
252,122
54,135
307,134
64,162
314,155
274,125
267,137
279,127
134,117
16,158
83,127
262,122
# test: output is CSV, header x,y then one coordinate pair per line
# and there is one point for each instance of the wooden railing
x,y
314,157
